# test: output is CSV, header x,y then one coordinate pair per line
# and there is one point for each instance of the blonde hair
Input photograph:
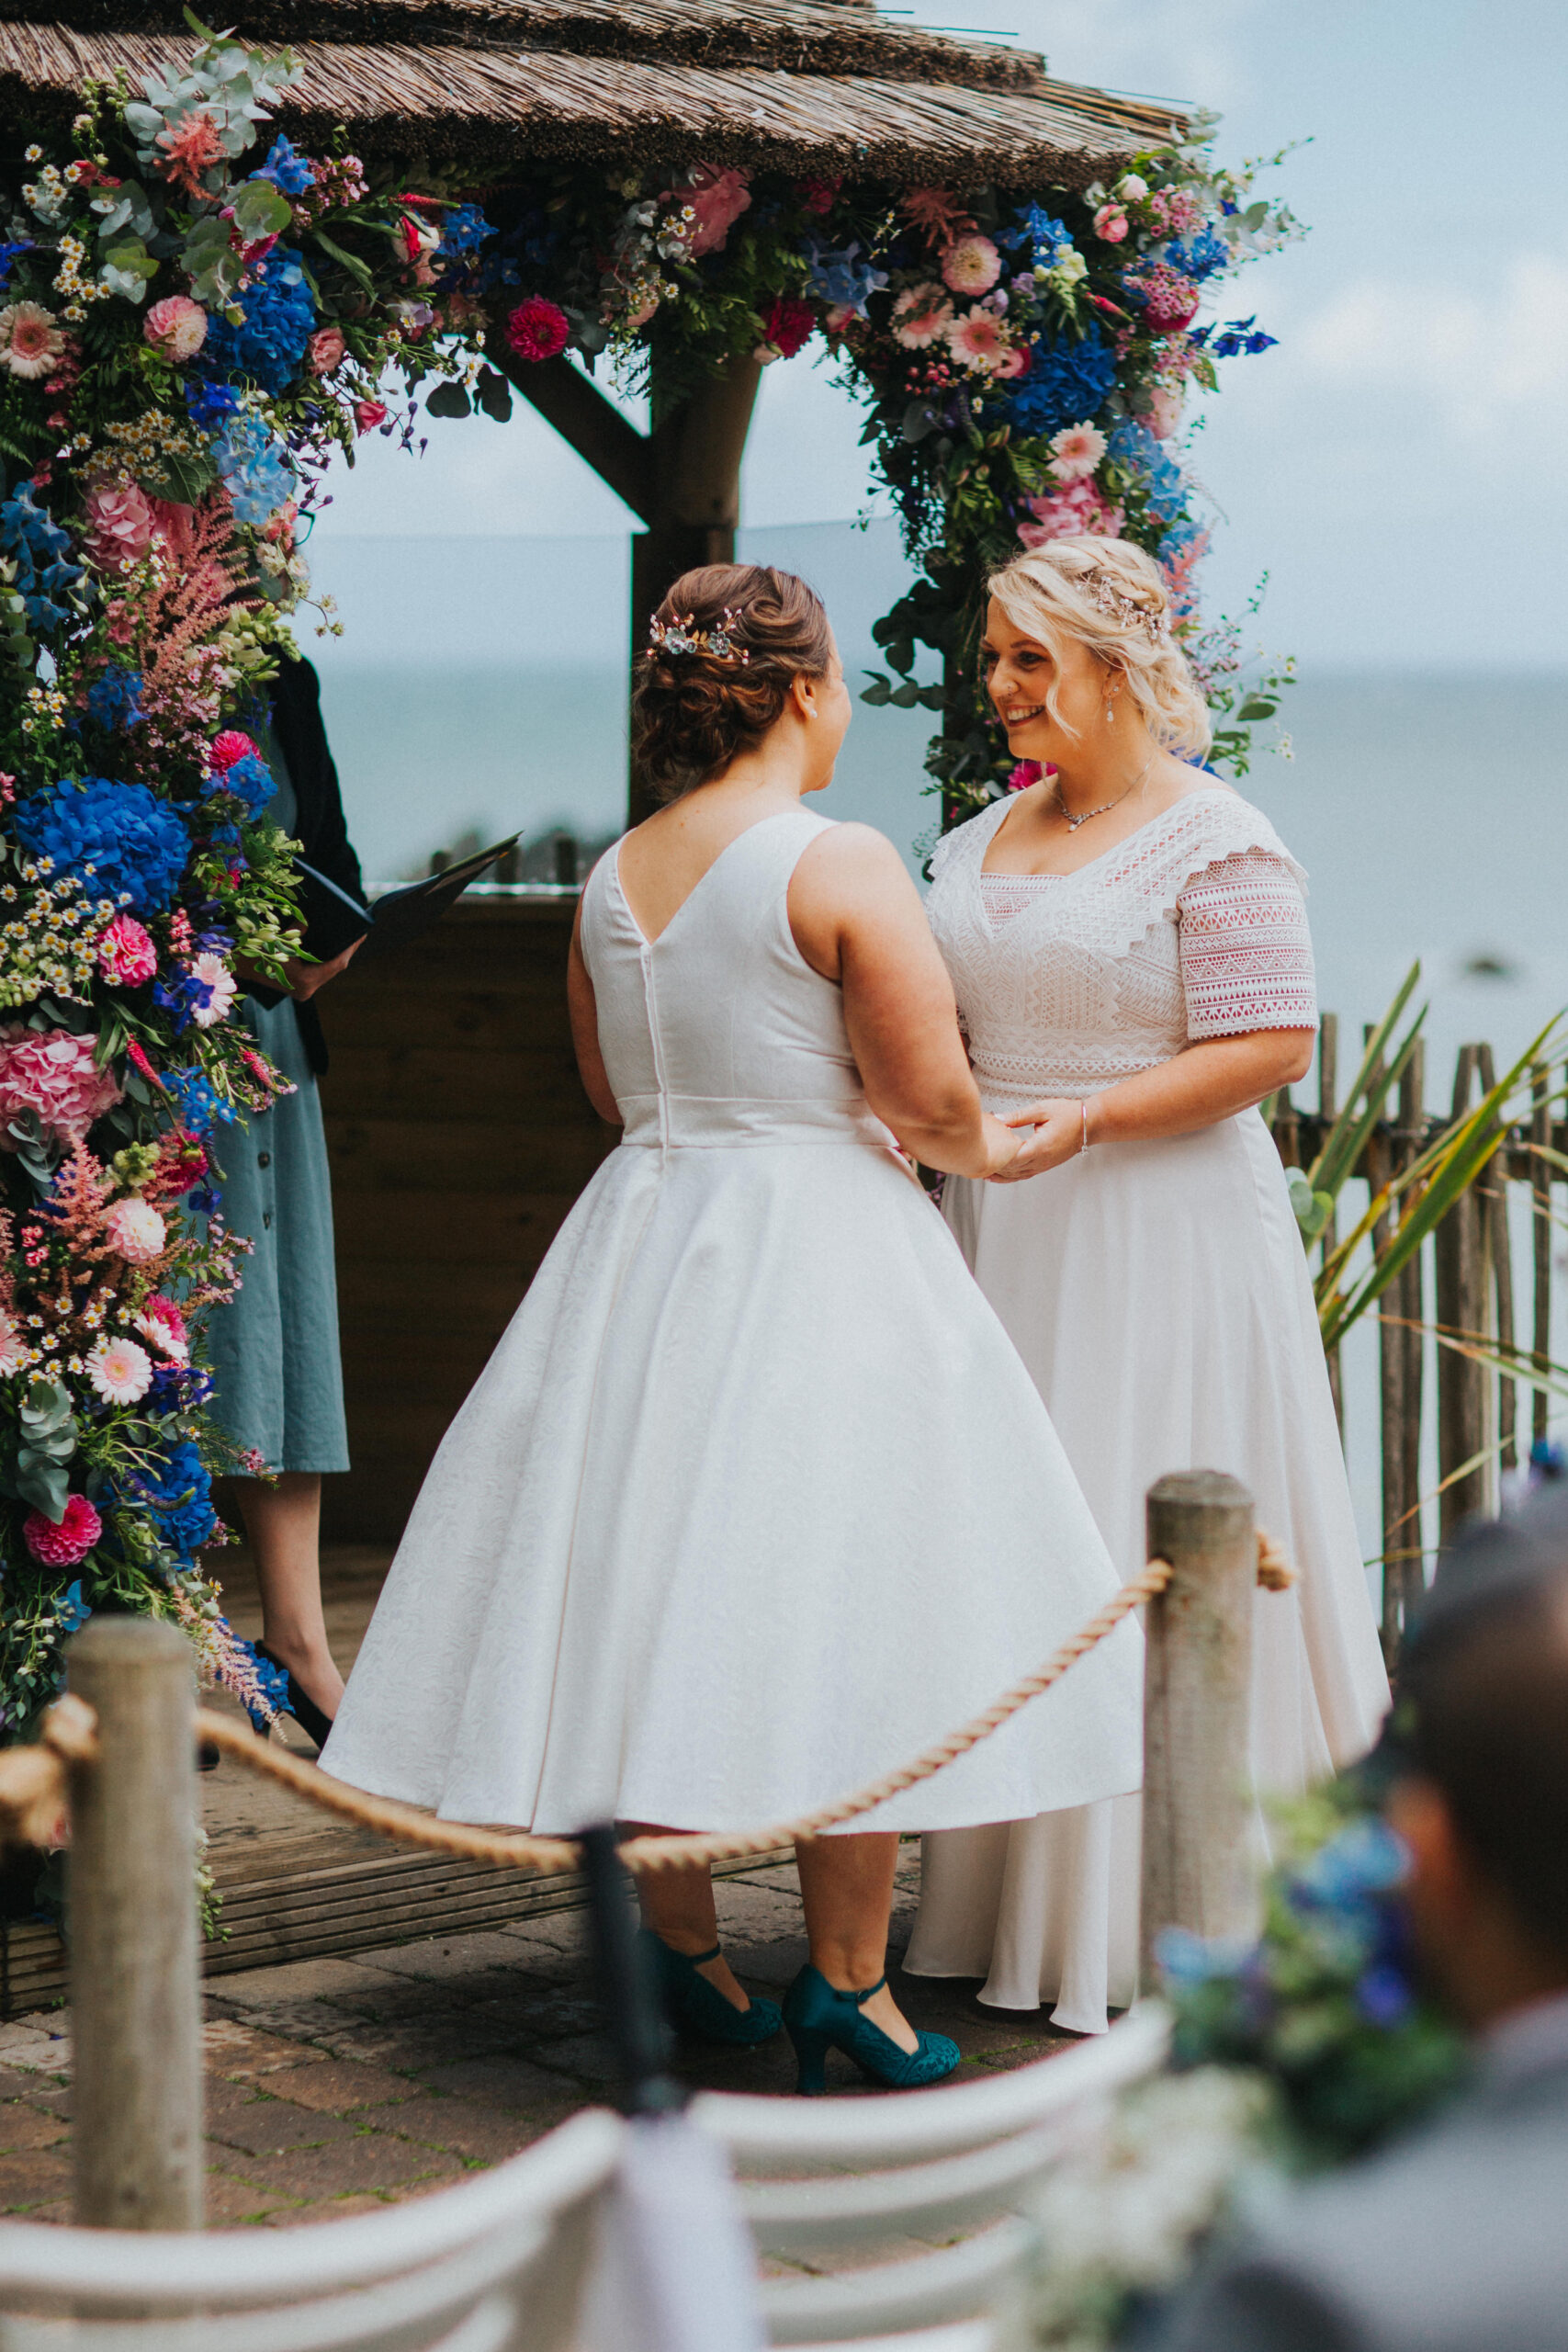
x,y
1109,595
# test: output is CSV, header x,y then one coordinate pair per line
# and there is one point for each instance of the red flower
x,y
368,415
537,329
226,749
789,324
817,195
61,1546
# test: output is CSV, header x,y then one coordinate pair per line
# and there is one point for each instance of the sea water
x,y
479,688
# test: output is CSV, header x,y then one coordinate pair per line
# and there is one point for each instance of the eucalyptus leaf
x,y
879,691
1257,707
261,210
44,1485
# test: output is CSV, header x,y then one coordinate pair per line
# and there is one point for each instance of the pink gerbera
x,y
1075,451
30,342
979,340
921,316
120,1371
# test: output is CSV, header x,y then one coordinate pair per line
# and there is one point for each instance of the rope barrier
x,y
33,1779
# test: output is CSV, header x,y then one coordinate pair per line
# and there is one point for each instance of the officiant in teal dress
x,y
275,1350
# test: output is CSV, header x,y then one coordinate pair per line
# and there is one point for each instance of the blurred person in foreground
x,y
1456,2236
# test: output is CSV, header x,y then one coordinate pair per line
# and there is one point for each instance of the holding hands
x,y
1060,1133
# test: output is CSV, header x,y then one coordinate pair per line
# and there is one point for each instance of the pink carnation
x,y
136,1231
126,954
119,525
176,326
536,328
327,348
118,1370
62,1547
718,199
972,266
52,1072
161,1322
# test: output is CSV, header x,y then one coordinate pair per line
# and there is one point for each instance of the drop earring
x,y
1110,707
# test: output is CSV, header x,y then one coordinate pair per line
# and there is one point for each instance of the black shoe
x,y
208,1758
298,1703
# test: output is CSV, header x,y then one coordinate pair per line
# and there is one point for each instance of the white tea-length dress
x,y
1159,1294
754,1498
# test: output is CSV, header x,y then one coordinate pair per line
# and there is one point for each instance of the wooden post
x,y
1541,1235
135,2006
1461,1417
1328,1104
1197,1869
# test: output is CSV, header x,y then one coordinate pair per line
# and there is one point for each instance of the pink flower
x,y
13,1347
790,323
175,326
52,1073
118,1370
61,1546
1163,414
1027,771
119,524
136,1231
221,989
161,1322
979,339
30,342
1075,451
536,328
126,954
717,197
1169,300
327,348
1078,511
368,415
921,316
225,750
138,1055
1015,362
972,266
1111,224
191,148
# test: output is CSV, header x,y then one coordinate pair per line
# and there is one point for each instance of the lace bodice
x,y
1193,927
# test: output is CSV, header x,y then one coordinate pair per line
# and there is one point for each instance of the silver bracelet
x,y
1083,1147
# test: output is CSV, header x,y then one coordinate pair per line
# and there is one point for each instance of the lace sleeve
x,y
1246,950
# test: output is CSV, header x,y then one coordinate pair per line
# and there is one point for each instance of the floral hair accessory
x,y
683,636
1126,608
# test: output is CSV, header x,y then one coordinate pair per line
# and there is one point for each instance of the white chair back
x,y
496,2265
865,2175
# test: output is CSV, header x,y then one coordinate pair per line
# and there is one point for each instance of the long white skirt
x,y
753,1502
1159,1295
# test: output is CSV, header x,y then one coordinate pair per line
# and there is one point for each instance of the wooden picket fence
x,y
1460,1288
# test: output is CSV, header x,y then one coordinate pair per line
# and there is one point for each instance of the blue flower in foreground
x,y
115,698
1240,336
290,172
1067,383
8,257
70,1611
135,843
1186,1960
1364,1860
268,345
1383,1997
838,275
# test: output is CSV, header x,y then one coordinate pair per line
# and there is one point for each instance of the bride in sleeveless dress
x,y
1128,943
754,1498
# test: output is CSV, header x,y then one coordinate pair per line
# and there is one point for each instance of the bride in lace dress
x,y
1129,949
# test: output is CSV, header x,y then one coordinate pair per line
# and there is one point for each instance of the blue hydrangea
x,y
208,403
1135,447
290,172
38,547
272,1682
1067,383
115,698
1207,253
837,274
250,780
256,469
200,1108
268,346
135,843
179,1493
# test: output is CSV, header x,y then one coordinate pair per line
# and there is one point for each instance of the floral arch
x,y
195,318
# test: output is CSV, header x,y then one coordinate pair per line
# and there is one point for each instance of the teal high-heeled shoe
x,y
818,2019
700,2008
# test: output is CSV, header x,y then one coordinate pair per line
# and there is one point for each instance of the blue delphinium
x,y
200,1105
209,403
9,256
70,1611
1133,446
115,698
463,231
256,470
135,843
1067,383
290,172
840,276
1049,240
250,780
279,319
38,547
1236,336
1207,253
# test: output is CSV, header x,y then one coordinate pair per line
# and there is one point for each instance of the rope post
x,y
1198,1870
135,2003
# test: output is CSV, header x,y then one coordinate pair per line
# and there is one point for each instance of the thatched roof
x,y
824,86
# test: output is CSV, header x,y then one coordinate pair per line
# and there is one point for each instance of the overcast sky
x,y
1397,465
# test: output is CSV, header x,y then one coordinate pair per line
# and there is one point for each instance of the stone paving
x,y
334,2086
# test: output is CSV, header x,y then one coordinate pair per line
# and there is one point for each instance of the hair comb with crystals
x,y
679,636
1126,608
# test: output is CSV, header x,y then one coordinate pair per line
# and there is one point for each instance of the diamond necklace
x,y
1106,807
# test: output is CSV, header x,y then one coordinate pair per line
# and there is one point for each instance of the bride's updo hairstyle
x,y
1109,595
726,646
